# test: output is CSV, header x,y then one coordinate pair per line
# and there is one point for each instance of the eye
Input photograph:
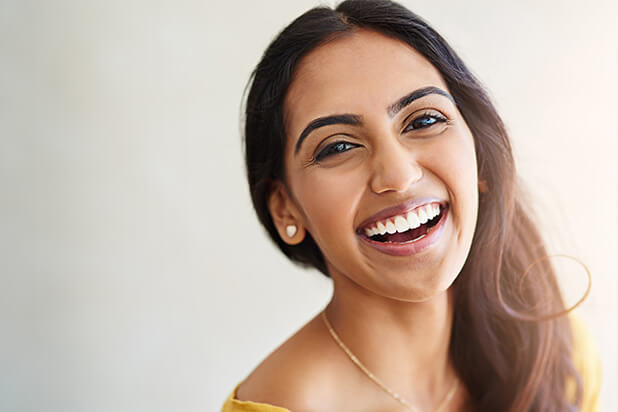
x,y
333,149
425,120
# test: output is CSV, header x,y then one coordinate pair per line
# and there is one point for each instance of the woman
x,y
376,157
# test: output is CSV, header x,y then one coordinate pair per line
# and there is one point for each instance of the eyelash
x,y
438,118
328,150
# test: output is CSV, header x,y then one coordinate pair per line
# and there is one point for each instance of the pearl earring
x,y
290,230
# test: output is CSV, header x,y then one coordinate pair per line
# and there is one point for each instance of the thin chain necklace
x,y
377,381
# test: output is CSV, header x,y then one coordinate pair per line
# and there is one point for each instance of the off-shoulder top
x,y
585,359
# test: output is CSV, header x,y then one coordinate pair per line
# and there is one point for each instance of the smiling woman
x,y
376,157
403,146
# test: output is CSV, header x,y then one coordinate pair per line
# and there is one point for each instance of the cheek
x,y
456,159
329,200
465,176
460,152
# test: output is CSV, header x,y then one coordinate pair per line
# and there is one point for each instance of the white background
x,y
133,273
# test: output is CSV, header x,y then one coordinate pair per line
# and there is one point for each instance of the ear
x,y
285,215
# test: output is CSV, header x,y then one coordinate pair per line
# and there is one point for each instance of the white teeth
x,y
401,224
390,227
413,220
429,211
422,215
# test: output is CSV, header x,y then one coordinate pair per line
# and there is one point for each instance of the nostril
x,y
396,177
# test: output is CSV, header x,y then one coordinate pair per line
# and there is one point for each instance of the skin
x,y
393,312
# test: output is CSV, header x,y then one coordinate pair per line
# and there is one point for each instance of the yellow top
x,y
585,358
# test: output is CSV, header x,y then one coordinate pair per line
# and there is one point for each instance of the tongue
x,y
406,236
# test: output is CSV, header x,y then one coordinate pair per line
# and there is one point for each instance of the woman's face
x,y
374,143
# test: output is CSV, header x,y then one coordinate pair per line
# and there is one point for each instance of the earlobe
x,y
483,186
284,215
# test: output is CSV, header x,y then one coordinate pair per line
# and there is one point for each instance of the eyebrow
x,y
416,94
350,119
355,120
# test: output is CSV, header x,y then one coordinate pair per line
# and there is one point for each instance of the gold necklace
x,y
377,381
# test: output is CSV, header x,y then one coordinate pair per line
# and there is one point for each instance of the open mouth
x,y
406,228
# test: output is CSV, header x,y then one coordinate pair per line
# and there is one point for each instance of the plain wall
x,y
134,274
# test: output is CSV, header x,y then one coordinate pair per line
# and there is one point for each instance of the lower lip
x,y
407,249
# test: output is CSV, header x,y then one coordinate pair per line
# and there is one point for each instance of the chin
x,y
412,292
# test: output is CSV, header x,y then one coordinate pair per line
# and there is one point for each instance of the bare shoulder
x,y
297,374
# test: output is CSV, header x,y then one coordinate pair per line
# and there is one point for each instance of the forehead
x,y
357,73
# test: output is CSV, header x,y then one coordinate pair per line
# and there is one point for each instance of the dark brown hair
x,y
509,354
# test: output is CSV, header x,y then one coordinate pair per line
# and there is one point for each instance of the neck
x,y
405,344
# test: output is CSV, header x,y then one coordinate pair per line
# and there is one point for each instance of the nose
x,y
395,168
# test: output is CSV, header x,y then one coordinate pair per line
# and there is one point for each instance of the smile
x,y
409,232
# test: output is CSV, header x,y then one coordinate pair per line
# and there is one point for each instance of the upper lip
x,y
400,209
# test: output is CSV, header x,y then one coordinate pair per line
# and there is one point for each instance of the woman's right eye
x,y
334,148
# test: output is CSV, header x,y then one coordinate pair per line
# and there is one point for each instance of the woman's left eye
x,y
425,120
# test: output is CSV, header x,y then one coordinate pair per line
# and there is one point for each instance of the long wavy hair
x,y
511,355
